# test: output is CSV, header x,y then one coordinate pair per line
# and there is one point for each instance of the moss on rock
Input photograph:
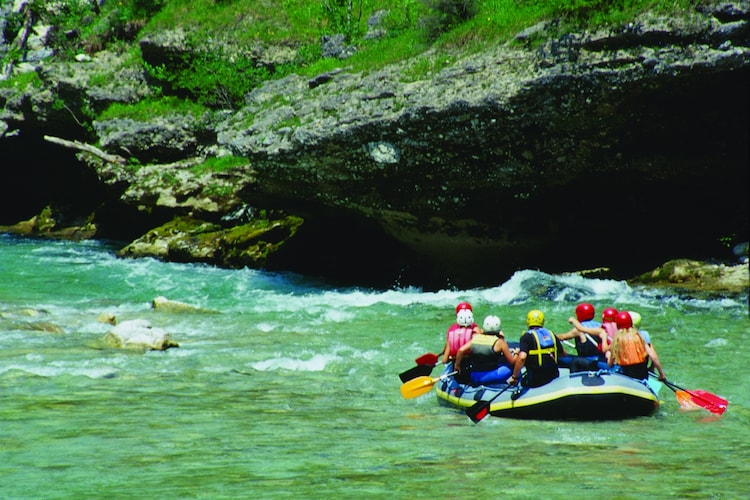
x,y
698,276
193,240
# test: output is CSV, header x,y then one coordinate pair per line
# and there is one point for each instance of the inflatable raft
x,y
599,395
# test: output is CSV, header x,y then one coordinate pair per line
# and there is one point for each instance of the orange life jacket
x,y
629,348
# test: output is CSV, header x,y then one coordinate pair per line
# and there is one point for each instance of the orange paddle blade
x,y
698,398
686,401
694,400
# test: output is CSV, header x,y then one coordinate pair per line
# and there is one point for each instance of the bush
x,y
447,14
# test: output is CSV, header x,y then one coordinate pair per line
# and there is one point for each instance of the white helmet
x,y
465,317
491,324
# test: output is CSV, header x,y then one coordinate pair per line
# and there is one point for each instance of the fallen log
x,y
81,146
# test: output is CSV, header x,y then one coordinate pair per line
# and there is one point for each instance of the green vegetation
x,y
148,108
225,37
22,80
218,164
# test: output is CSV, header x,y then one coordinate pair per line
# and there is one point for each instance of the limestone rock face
x,y
699,277
591,149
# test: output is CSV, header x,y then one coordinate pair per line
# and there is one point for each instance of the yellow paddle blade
x,y
417,386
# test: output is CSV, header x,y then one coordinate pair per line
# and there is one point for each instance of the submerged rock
x,y
166,305
139,335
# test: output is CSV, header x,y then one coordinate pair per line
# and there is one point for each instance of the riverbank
x,y
455,167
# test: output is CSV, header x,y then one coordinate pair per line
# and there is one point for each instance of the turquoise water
x,y
286,388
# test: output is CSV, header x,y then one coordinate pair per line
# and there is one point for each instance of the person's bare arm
x,y
585,329
503,345
655,360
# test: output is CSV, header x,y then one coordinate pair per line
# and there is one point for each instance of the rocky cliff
x,y
618,149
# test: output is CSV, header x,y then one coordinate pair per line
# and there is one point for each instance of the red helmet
x,y
463,305
584,312
624,320
609,314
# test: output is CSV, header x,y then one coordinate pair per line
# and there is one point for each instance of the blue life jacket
x,y
546,346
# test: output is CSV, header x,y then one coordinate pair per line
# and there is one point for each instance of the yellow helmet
x,y
534,318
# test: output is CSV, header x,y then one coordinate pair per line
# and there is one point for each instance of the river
x,y
284,387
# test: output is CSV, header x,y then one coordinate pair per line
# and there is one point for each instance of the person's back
x,y
598,335
589,346
483,355
460,333
609,323
586,344
650,349
629,349
490,356
539,352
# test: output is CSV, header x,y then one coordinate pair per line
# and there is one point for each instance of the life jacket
x,y
586,348
611,328
545,345
483,355
629,348
458,336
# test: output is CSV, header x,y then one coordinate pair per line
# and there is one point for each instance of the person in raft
x,y
590,347
539,350
630,352
491,358
608,325
460,332
646,338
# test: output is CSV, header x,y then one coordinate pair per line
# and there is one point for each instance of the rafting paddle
x,y
686,400
711,402
421,385
481,409
427,359
425,364
417,371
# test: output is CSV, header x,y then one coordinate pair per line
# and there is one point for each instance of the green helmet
x,y
636,319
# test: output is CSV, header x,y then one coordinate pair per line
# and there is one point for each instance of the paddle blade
x,y
686,401
427,359
705,399
417,371
689,399
417,387
694,400
478,411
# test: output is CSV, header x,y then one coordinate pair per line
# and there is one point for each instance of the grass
x,y
146,109
22,80
220,78
301,23
218,164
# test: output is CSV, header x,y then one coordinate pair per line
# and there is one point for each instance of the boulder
x,y
139,335
697,276
164,304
